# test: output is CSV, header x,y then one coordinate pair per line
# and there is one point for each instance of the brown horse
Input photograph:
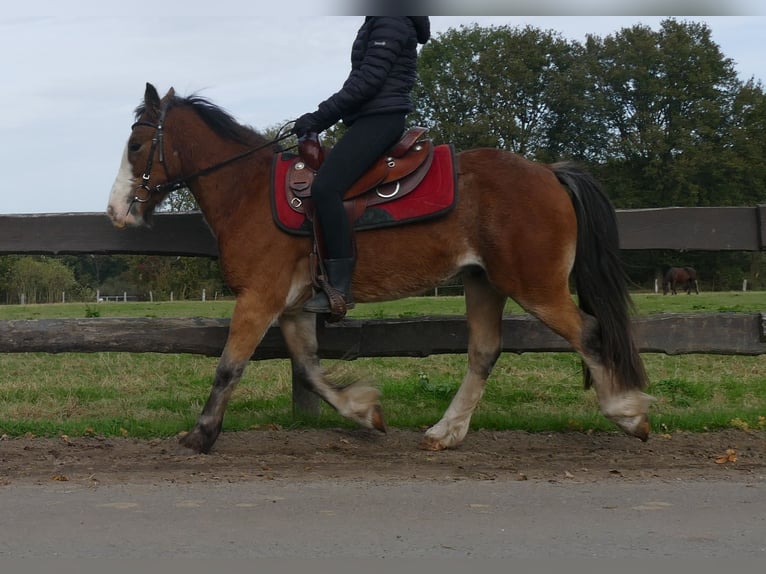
x,y
684,277
515,222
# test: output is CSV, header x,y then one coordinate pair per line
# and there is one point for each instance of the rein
x,y
179,182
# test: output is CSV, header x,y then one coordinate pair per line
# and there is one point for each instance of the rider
x,y
373,103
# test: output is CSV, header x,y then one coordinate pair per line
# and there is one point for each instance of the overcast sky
x,y
73,72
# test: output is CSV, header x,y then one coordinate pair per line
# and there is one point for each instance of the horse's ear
x,y
171,93
151,100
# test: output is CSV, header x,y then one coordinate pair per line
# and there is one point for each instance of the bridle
x,y
157,141
158,147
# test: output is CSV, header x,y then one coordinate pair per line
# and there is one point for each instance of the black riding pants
x,y
364,142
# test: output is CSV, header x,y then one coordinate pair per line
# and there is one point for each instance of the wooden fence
x,y
683,229
675,228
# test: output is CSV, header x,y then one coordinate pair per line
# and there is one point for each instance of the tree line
x,y
51,279
660,117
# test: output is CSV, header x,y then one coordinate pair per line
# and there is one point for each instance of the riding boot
x,y
339,274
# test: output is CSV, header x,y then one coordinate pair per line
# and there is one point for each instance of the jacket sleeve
x,y
388,37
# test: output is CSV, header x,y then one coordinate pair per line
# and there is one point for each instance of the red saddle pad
x,y
435,196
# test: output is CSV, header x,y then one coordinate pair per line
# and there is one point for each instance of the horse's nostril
x,y
110,211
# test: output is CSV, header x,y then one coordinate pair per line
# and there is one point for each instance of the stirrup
x,y
328,300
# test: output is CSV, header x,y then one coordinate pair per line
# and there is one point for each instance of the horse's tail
x,y
600,279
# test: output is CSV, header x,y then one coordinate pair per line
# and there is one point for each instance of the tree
x,y
664,100
39,279
745,149
499,87
7,263
179,201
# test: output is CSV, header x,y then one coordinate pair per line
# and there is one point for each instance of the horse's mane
x,y
216,117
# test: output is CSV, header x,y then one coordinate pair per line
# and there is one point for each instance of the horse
x,y
515,222
684,277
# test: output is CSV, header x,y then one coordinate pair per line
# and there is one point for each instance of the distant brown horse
x,y
518,230
684,277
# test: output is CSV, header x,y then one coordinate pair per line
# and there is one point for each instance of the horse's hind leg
x,y
625,405
484,310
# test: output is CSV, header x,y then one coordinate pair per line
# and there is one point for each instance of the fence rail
x,y
675,228
672,334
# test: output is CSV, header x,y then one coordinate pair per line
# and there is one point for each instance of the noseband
x,y
180,182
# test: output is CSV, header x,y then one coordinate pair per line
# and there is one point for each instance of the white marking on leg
x,y
358,401
627,409
453,426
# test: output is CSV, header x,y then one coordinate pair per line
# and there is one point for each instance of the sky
x,y
74,71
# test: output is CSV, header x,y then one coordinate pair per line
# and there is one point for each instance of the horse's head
x,y
142,181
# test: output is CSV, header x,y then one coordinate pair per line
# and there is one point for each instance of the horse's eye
x,y
133,147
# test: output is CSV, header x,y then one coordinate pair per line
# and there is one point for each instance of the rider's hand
x,y
305,124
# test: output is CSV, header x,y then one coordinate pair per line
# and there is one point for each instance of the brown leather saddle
x,y
392,176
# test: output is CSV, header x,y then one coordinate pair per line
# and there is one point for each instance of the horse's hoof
x,y
184,451
195,442
432,444
377,419
637,426
643,430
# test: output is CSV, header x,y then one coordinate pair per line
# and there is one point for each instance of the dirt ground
x,y
342,454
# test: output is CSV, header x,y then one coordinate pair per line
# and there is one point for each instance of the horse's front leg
x,y
357,401
249,323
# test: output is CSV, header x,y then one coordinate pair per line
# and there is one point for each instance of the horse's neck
x,y
234,192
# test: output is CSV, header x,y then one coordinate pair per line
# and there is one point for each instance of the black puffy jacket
x,y
383,70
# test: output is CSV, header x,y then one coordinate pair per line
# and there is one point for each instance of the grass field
x,y
646,303
149,395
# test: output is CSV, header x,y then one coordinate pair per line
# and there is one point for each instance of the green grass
x,y
150,395
715,302
646,303
208,309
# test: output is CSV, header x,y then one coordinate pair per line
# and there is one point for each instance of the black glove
x,y
305,124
